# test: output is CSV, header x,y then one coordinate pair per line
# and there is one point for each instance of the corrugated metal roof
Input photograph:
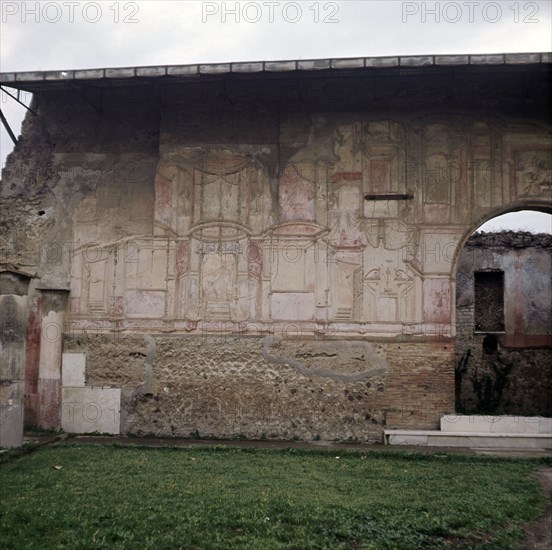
x,y
19,79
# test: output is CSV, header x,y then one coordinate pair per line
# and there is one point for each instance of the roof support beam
x,y
7,127
19,101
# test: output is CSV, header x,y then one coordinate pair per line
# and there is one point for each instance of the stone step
x,y
496,424
436,438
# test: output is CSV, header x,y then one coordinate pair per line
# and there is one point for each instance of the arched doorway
x,y
503,315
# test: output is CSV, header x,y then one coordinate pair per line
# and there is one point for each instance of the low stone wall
x,y
261,387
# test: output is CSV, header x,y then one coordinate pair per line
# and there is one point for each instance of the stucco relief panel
x,y
485,165
297,192
440,173
533,172
193,188
391,288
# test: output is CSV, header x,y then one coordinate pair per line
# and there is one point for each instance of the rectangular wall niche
x,y
489,301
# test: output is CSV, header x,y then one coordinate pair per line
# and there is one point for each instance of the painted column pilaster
x,y
13,319
49,368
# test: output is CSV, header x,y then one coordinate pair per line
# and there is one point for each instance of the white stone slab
x,y
86,410
73,367
492,441
496,424
11,413
435,438
407,439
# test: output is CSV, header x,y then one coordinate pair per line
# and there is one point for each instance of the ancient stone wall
x,y
242,264
505,370
240,386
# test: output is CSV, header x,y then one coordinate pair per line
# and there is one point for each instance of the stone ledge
x,y
435,438
437,433
499,424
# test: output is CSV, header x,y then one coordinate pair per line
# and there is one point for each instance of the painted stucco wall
x,y
228,228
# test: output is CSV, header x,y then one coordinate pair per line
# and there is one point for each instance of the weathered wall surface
x,y
323,215
507,371
13,315
233,386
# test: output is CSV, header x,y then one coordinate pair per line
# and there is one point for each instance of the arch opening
x,y
504,315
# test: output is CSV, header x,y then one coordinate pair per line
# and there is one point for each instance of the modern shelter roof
x,y
39,80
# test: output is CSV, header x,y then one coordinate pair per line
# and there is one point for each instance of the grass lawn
x,y
115,497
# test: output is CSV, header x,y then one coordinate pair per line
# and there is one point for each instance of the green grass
x,y
113,497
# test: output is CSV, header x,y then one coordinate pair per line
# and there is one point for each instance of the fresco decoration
x,y
235,241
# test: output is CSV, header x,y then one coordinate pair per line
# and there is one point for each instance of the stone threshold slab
x,y
436,438
496,424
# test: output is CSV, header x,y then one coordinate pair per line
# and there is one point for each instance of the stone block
x,y
151,71
89,409
407,439
73,367
496,424
11,413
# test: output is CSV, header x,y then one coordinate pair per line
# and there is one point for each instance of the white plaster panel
x,y
293,306
289,269
73,367
496,424
50,345
85,410
152,267
149,304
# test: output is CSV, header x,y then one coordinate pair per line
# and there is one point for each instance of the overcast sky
x,y
68,35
